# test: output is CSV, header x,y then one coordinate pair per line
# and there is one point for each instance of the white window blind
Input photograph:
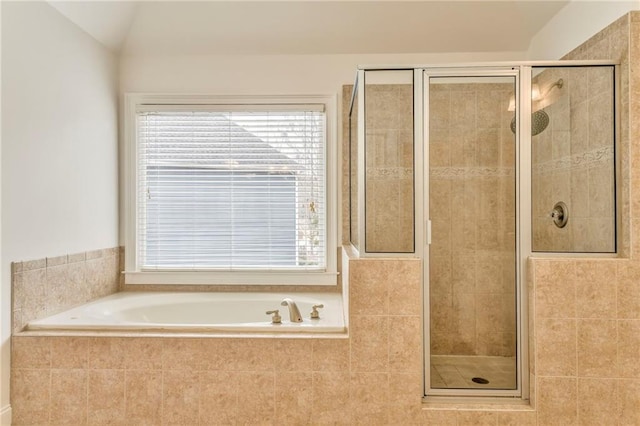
x,y
231,190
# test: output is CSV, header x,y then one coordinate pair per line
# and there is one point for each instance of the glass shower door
x,y
471,206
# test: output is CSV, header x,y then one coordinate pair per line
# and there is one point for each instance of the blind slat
x,y
232,189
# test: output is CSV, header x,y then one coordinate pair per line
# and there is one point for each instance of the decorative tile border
x,y
390,173
456,173
595,157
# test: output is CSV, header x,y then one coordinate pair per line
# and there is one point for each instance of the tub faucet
x,y
294,313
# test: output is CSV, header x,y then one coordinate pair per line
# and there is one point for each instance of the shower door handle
x,y
428,228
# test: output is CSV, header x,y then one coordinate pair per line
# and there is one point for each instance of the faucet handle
x,y
276,319
314,313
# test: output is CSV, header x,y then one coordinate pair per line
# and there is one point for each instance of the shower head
x,y
539,122
539,119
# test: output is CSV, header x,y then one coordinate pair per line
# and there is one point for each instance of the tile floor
x,y
456,371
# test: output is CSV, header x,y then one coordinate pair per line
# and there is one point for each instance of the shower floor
x,y
456,372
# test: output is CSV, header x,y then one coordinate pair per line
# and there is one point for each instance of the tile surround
x,y
242,381
47,286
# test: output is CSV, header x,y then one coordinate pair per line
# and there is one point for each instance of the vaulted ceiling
x,y
311,27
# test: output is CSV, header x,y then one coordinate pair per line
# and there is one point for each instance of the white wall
x,y
575,23
59,145
270,74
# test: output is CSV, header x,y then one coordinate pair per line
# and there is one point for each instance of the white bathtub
x,y
197,312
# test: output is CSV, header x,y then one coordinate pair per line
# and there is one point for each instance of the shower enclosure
x,y
474,169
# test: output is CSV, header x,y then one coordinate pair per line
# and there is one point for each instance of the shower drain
x,y
480,380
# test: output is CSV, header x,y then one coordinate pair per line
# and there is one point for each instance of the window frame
x,y
133,275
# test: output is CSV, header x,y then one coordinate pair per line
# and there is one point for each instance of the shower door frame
x,y
522,204
522,71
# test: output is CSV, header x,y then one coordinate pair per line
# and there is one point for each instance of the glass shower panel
x,y
573,167
389,172
353,170
472,255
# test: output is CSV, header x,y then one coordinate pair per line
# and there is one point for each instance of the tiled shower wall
x,y
389,167
47,286
573,161
472,211
585,314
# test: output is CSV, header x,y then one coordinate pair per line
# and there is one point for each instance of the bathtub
x,y
197,312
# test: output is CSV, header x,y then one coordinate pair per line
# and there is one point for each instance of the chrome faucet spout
x,y
294,312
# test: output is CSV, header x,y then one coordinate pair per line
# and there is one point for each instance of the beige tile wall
x,y
47,286
389,164
389,168
573,161
587,340
472,211
586,313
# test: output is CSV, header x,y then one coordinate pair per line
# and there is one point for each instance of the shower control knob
x,y
560,214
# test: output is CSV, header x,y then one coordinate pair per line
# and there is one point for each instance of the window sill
x,y
232,278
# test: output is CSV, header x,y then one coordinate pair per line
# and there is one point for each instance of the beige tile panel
x,y
257,398
597,348
369,287
30,293
628,402
218,398
331,392
556,347
69,352
439,417
110,353
293,403
293,355
404,398
628,290
142,354
557,401
517,418
369,343
368,395
106,397
596,401
143,397
182,354
330,355
68,397
596,285
31,353
405,344
250,355
405,288
30,396
555,289
477,418
180,397
629,348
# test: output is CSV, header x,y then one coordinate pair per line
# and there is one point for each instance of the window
x,y
230,193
